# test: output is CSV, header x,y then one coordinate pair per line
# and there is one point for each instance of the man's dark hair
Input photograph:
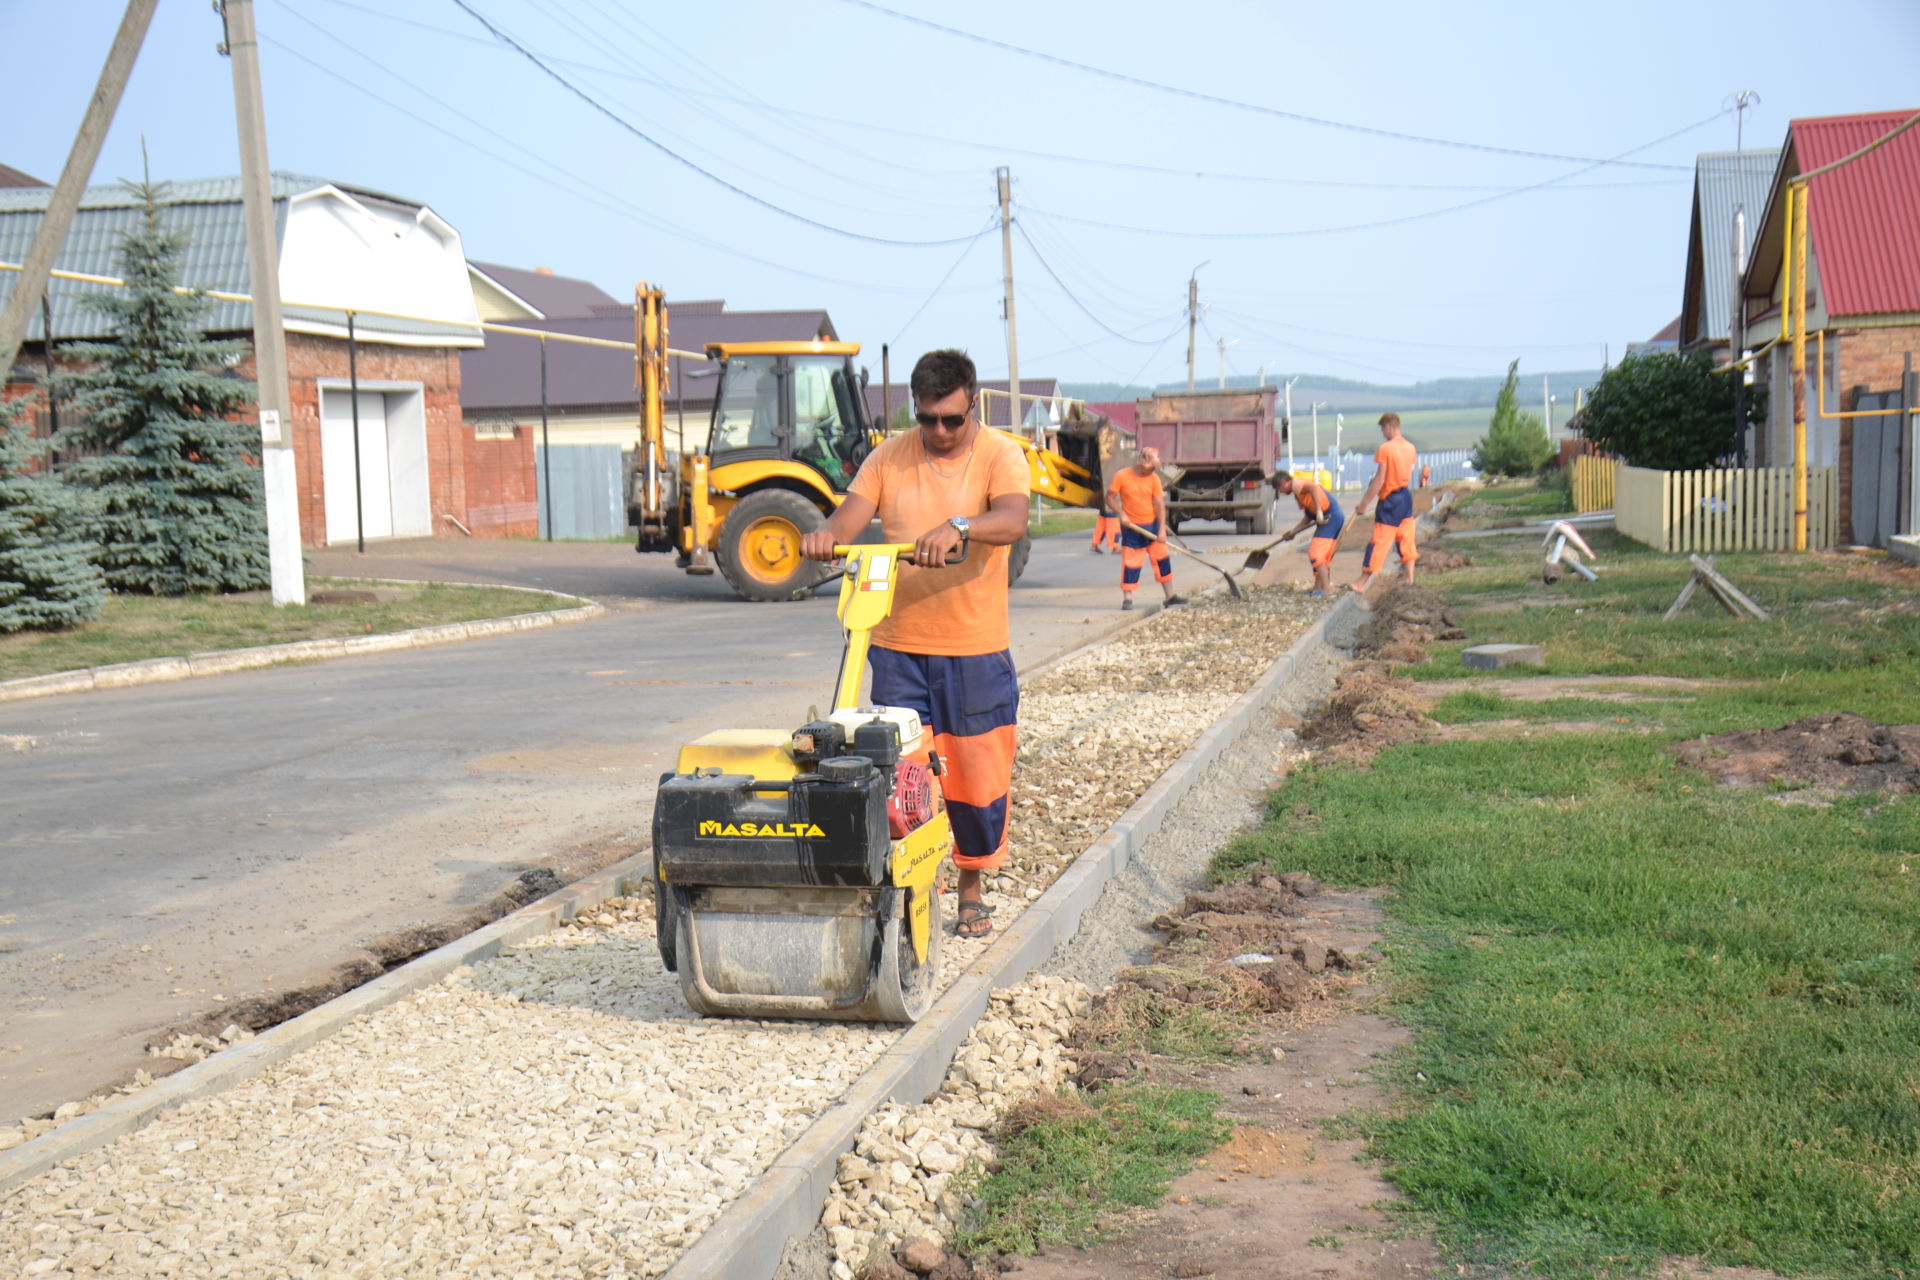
x,y
1279,477
938,374
1389,419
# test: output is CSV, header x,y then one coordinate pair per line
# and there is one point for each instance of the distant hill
x,y
1343,395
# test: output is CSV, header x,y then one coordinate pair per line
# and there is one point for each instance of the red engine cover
x,y
914,798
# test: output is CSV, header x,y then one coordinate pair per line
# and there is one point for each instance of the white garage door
x,y
392,463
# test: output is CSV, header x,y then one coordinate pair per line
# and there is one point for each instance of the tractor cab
x,y
790,402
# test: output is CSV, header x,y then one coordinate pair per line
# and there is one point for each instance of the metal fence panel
x,y
587,498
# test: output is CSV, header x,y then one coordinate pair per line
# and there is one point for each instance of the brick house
x,y
1863,294
422,471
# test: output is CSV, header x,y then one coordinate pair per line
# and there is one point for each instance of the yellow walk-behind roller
x,y
794,871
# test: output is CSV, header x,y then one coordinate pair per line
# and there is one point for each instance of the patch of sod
x,y
1657,1018
1076,1164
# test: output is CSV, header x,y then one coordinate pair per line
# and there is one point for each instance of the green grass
x,y
1064,1178
1510,500
1061,520
1656,1017
130,628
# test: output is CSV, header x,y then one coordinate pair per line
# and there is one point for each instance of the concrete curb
x,y
122,675
230,1066
747,1241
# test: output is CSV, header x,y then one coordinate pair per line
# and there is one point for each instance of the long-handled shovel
x,y
1257,558
1233,588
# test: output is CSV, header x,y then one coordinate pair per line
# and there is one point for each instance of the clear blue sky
x,y
847,116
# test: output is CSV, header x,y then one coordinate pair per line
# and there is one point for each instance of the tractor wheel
x,y
759,551
1017,556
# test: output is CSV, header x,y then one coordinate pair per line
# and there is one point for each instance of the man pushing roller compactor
x,y
950,485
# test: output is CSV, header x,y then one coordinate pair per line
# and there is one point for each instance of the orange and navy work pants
x,y
1392,526
971,704
1136,549
1106,529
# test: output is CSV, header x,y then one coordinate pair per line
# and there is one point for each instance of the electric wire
x,y
683,161
935,291
1368,226
612,202
1071,297
1217,100
782,113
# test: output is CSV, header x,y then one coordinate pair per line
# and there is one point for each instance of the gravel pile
x,y
896,1183
557,1110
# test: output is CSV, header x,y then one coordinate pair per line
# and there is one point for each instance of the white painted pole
x,y
269,331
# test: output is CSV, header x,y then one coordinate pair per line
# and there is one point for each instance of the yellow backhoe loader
x,y
788,432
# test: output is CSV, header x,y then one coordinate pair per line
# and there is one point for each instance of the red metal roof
x,y
1864,216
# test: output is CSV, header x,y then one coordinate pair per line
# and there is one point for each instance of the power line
x,y
1369,226
784,114
681,160
935,291
612,203
1048,268
1235,103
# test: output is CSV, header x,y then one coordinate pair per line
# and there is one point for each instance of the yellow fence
x,y
1736,510
1593,483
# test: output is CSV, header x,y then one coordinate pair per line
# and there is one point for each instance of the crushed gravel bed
x,y
557,1110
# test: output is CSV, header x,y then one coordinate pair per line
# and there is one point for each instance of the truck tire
x,y
759,550
1263,520
1017,555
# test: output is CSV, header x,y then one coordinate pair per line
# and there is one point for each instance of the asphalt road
x,y
174,850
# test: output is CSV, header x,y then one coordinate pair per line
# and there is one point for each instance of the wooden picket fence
x,y
1592,480
1749,509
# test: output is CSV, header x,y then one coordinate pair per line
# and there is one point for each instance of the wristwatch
x,y
961,527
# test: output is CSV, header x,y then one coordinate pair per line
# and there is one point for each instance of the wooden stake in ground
x,y
1731,598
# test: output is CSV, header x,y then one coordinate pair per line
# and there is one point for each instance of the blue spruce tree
x,y
47,576
181,507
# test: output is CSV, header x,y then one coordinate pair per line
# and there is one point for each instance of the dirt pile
x,y
1831,753
1241,949
1438,557
1370,709
1404,621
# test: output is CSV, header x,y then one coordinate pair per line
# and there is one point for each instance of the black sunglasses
x,y
951,421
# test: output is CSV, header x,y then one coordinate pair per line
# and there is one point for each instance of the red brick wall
x,y
485,485
1870,358
501,487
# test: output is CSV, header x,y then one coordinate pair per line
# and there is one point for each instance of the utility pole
x,y
1339,467
1224,344
1737,332
1193,316
1741,101
51,236
242,48
1315,410
1004,177
1286,421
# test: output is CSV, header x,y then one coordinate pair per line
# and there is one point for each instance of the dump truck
x,y
1221,445
789,431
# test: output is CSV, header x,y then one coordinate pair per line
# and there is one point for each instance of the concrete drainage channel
x,y
747,1235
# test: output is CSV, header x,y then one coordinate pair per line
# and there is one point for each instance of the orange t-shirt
x,y
1395,459
961,610
1139,495
1312,498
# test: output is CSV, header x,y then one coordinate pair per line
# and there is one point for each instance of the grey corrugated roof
x,y
208,210
1722,182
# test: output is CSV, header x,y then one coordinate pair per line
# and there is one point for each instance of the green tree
x,y
1667,411
1516,442
47,575
181,505
902,420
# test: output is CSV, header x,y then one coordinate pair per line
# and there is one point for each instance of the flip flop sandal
x,y
973,921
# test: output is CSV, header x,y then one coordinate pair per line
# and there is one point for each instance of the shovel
x,y
1233,588
1257,558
